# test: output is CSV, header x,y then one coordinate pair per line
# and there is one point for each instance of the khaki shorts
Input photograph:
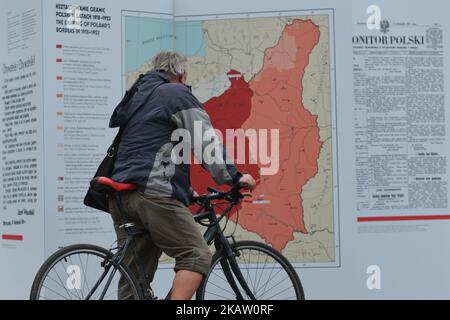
x,y
168,227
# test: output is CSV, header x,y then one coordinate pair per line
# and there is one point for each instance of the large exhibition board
x,y
358,201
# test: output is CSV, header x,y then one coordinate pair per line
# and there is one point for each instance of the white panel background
x,y
19,260
414,265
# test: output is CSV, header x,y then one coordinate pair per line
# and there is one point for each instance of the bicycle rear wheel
x,y
73,272
268,274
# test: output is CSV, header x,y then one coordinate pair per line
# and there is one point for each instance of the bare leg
x,y
185,284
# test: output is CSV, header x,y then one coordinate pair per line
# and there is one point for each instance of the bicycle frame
x,y
212,234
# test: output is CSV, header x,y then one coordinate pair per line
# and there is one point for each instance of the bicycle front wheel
x,y
268,274
81,272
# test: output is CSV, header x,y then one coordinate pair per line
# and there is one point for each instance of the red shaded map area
x,y
273,100
227,111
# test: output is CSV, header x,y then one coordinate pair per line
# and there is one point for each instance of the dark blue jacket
x,y
145,151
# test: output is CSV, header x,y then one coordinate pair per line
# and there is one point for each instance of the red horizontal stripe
x,y
403,218
59,46
58,60
15,237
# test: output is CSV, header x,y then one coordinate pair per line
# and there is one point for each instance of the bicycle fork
x,y
230,267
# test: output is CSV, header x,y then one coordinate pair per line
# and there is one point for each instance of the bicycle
x,y
236,271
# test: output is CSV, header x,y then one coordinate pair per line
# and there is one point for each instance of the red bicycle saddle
x,y
107,182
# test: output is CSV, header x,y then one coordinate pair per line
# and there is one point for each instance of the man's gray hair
x,y
170,62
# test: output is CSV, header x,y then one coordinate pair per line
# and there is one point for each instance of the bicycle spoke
x,y
84,274
271,271
55,292
59,284
267,283
224,280
257,269
264,268
62,282
76,291
85,279
277,284
217,295
65,274
248,271
221,288
248,274
273,296
256,273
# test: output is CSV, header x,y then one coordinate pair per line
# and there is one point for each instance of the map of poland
x,y
273,99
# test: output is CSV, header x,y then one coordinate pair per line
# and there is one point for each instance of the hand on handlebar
x,y
247,182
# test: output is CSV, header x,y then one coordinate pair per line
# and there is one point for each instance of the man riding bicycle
x,y
145,157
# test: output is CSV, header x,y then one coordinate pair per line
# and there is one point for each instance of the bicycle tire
x,y
257,246
77,249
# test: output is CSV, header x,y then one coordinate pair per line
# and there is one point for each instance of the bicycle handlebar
x,y
233,195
